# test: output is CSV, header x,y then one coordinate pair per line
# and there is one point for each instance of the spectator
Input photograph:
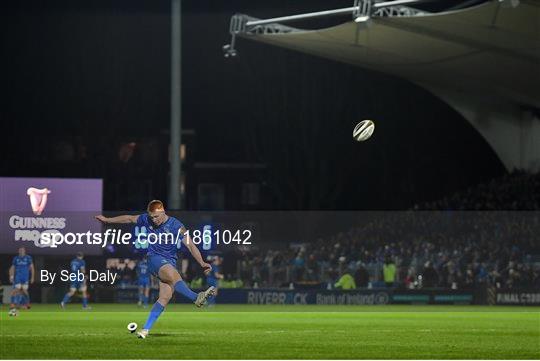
x,y
389,272
442,249
346,282
429,276
361,275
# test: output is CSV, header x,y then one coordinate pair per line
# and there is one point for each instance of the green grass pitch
x,y
274,332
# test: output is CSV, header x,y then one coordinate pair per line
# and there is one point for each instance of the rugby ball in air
x,y
363,130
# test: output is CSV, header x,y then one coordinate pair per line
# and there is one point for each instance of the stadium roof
x,y
492,48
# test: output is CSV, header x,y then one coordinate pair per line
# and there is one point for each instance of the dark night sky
x,y
99,71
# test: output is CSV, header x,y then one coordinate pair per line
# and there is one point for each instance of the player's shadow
x,y
162,334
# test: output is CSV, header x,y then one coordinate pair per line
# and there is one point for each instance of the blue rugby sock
x,y
156,310
66,298
183,289
85,302
145,300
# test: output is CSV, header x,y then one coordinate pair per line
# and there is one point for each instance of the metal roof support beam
x,y
362,10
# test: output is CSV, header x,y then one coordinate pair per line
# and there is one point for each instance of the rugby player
x,y
162,256
21,273
143,281
78,266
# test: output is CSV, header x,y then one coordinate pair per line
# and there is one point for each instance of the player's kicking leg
x,y
170,277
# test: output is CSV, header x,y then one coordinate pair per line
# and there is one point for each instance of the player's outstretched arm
x,y
195,251
118,219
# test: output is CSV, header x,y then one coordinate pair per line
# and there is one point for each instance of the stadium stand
x,y
472,253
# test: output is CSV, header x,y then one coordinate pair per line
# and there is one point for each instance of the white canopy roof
x,y
493,48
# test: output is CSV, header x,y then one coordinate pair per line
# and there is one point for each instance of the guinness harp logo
x,y
38,199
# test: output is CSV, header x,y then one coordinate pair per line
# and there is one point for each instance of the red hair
x,y
155,205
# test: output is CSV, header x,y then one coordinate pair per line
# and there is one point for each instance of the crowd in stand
x,y
427,249
518,190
